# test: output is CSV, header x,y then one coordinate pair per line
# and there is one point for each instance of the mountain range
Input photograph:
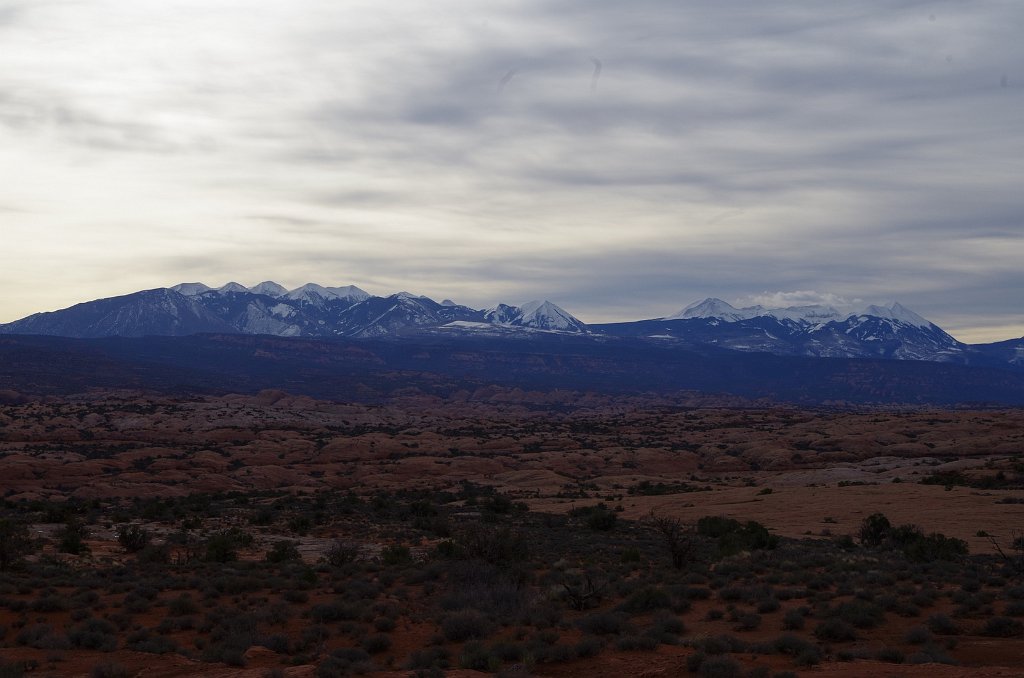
x,y
887,332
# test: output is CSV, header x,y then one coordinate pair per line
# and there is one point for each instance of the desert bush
x,y
891,655
384,624
554,652
344,662
429,658
810,656
603,623
747,621
376,643
794,619
721,644
182,605
110,670
488,589
42,637
50,603
71,538
171,624
133,538
232,633
646,599
835,630
1002,627
475,657
696,593
502,546
790,644
143,641
599,517
94,634
930,654
860,614
508,652
1014,608
282,552
337,610
588,646
341,553
465,625
943,625
935,546
720,667
541,615
15,543
918,635
663,622
154,554
277,642
15,669
734,536
396,554
221,547
634,643
876,530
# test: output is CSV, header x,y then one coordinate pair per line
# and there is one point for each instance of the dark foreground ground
x,y
506,531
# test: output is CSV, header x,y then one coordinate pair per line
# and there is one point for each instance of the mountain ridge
x,y
890,331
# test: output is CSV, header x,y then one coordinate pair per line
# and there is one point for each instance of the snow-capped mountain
x,y
892,331
352,293
809,314
718,309
544,315
502,314
191,289
540,315
159,311
233,288
312,310
269,288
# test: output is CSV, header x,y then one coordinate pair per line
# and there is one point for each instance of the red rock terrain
x,y
801,473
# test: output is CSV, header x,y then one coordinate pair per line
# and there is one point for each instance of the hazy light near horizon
x,y
622,159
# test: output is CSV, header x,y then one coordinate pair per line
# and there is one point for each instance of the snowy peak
x,y
811,314
350,292
716,308
408,295
540,315
502,314
191,289
233,288
311,293
269,288
897,311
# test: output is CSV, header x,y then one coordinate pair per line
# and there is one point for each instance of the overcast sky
x,y
622,159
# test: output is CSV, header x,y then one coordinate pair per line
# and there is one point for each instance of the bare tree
x,y
1015,558
584,592
680,538
15,542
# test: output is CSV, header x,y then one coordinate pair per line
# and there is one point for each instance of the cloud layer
x,y
623,159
